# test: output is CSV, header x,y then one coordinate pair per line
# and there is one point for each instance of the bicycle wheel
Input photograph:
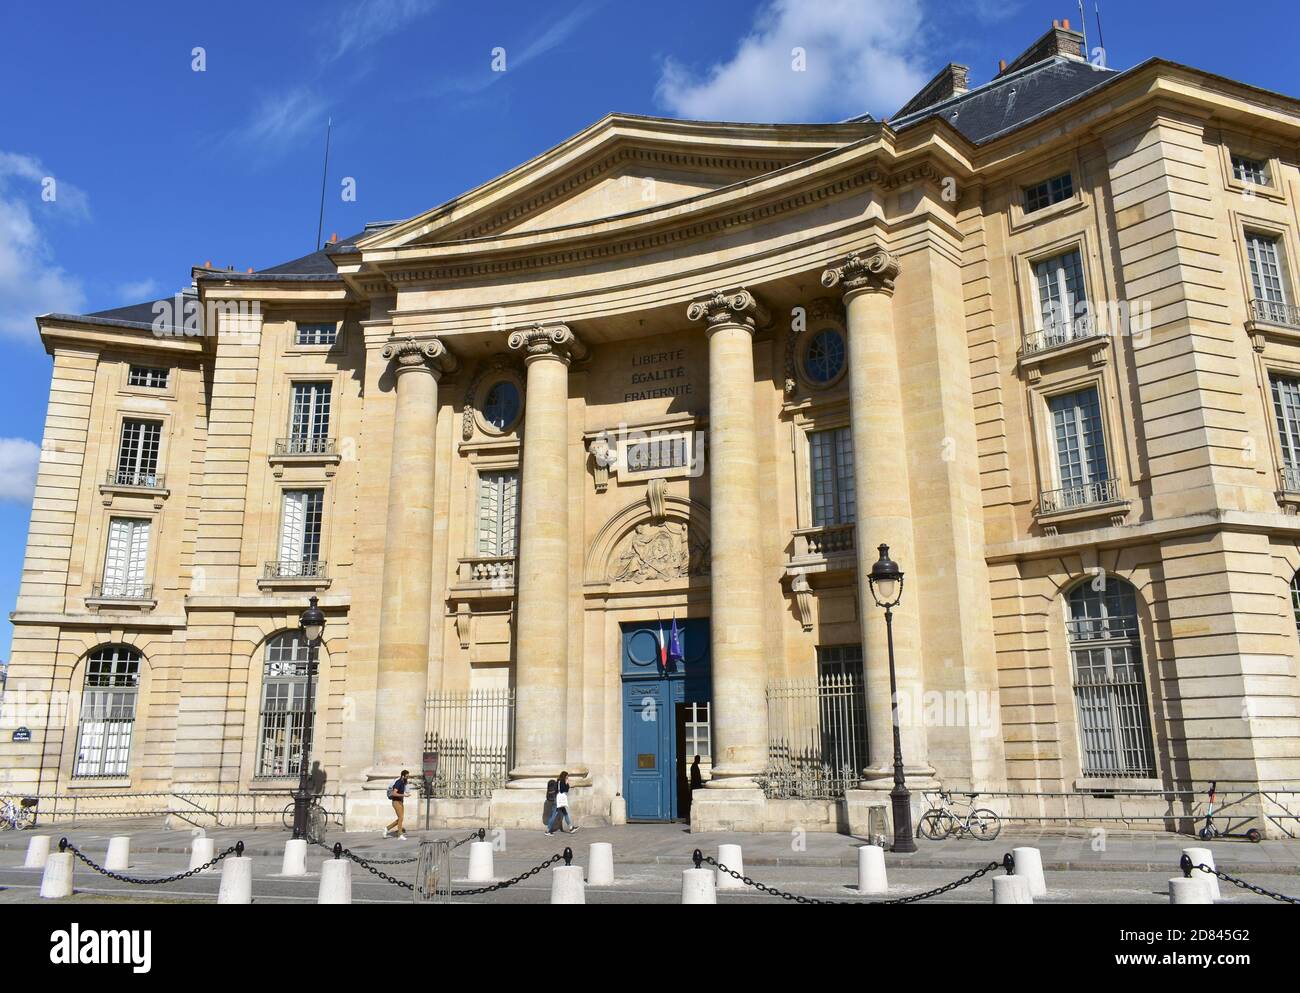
x,y
287,817
983,824
935,824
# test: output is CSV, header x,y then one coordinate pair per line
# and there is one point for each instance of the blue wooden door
x,y
651,695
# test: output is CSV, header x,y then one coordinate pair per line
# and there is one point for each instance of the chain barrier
x,y
476,836
567,855
237,849
1008,862
1185,863
341,852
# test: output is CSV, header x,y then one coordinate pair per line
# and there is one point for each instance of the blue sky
x,y
158,167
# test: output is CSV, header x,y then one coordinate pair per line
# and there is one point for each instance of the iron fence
x,y
206,809
469,742
817,737
1091,494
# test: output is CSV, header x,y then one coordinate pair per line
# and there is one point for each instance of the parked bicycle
x,y
317,819
942,820
20,815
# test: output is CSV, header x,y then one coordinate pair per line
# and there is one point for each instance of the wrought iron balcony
x,y
828,539
304,445
1289,478
1273,312
1091,494
142,479
495,571
121,591
295,569
1080,328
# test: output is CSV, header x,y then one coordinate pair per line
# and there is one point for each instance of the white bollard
x,y
236,880
733,859
1011,889
567,885
1029,864
1189,889
600,864
57,881
1203,856
480,862
698,886
118,858
335,881
871,870
295,858
202,851
38,850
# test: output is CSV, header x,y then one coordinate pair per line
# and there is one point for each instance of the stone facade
x,y
670,277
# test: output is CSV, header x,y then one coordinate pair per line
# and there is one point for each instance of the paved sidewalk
x,y
672,844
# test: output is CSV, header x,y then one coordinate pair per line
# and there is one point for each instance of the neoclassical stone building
x,y
587,468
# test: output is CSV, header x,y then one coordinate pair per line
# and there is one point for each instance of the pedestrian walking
x,y
561,806
397,793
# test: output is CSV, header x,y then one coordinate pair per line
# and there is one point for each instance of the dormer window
x,y
1248,170
1048,192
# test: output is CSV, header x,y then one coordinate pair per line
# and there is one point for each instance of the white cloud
x,y
137,291
280,119
18,461
862,56
362,24
31,282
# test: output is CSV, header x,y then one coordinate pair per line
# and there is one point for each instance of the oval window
x,y
824,360
501,405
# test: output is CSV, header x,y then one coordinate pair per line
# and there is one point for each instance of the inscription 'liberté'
x,y
654,368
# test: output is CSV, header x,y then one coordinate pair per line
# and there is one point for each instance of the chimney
x,y
952,80
1061,40
334,237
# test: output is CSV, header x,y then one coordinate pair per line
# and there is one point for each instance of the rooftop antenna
x,y
1101,41
1083,26
320,220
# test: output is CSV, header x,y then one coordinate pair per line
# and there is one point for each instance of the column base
x,y
728,809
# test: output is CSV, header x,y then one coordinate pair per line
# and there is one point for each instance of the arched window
x,y
285,725
107,718
1295,599
1109,685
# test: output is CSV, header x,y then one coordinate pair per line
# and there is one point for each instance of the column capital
x,y
874,270
538,341
427,355
729,307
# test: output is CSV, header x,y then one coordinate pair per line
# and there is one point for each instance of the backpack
x,y
552,788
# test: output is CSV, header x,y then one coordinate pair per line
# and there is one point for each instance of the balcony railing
x,y
122,591
1080,328
1289,477
294,569
496,571
828,539
1092,494
135,477
1275,313
306,445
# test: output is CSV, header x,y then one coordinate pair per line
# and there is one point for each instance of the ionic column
x,y
542,570
739,707
884,507
408,560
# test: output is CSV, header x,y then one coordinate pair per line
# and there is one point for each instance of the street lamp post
x,y
312,626
886,581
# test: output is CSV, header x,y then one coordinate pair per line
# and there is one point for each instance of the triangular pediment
x,y
618,166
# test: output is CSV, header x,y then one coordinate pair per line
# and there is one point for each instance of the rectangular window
x,y
1081,465
309,423
150,377
698,739
1265,267
284,729
1048,192
1247,170
843,706
107,717
831,469
1286,408
498,512
126,561
1062,298
300,530
137,453
325,333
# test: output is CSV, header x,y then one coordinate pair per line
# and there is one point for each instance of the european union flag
x,y
676,659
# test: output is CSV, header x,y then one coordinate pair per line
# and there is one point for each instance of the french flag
x,y
663,646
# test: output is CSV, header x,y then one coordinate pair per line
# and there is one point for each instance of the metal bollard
x,y
872,878
118,858
600,864
56,883
236,878
295,858
1029,864
480,862
1011,889
566,882
732,857
1189,889
202,851
38,850
1203,856
335,881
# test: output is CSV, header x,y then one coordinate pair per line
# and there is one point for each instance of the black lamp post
x,y
886,581
312,626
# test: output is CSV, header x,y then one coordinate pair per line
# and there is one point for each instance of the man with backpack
x,y
397,793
